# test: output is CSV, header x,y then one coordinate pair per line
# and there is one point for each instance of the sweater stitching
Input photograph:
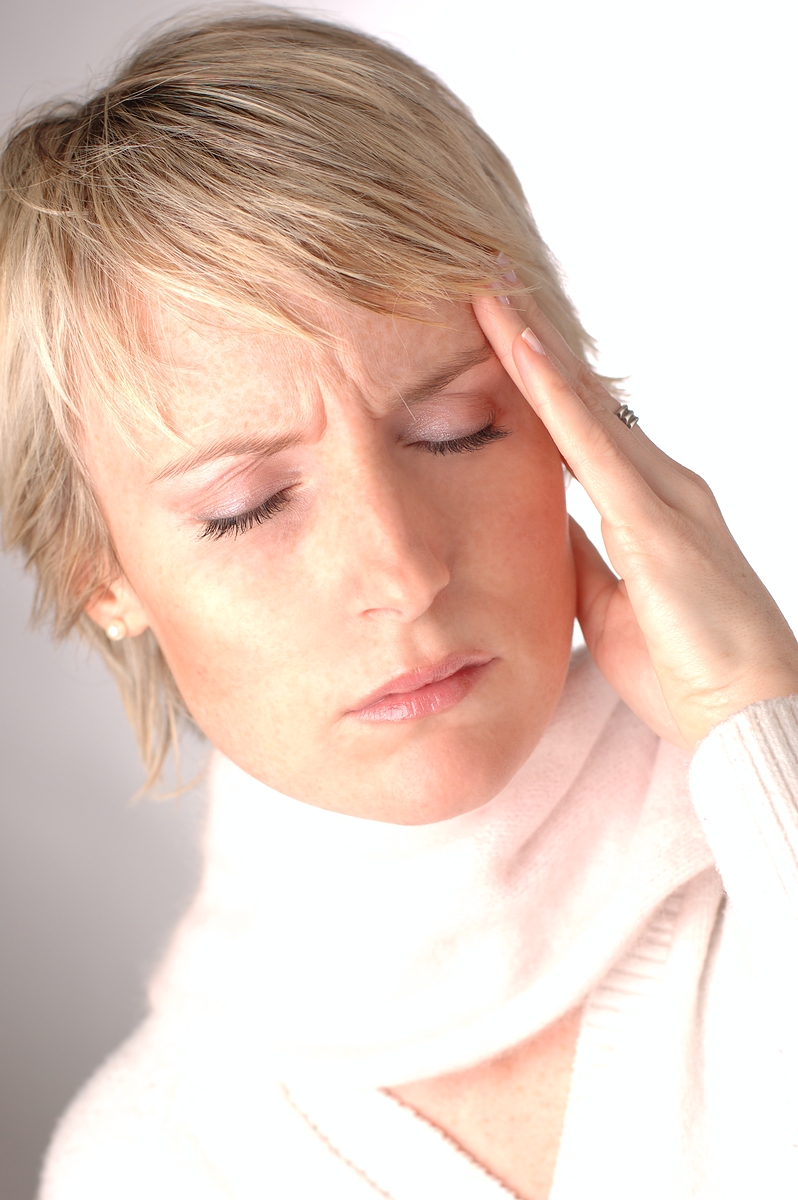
x,y
333,1148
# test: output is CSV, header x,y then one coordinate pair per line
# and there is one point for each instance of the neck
x,y
380,953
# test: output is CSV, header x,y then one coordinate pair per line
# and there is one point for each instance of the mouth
x,y
425,691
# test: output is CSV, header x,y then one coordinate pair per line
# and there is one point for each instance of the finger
x,y
571,366
541,383
574,369
501,323
580,376
596,586
680,489
593,574
614,638
606,470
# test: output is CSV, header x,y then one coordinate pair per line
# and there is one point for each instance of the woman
x,y
290,383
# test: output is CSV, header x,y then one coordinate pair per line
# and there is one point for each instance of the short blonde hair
x,y
224,158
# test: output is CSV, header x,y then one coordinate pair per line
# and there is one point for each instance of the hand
x,y
688,634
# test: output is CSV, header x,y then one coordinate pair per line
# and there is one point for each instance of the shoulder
x,y
155,1121
118,1136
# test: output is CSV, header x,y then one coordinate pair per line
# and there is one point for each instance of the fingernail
x,y
503,261
532,341
505,300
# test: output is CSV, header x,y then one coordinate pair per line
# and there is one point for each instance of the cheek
x,y
244,639
520,549
515,515
223,632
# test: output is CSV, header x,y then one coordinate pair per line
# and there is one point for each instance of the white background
x,y
657,147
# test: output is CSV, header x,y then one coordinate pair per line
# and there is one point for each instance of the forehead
x,y
220,373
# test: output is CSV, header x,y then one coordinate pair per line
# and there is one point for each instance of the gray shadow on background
x,y
90,882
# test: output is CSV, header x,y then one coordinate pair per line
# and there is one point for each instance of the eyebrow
x,y
426,388
263,446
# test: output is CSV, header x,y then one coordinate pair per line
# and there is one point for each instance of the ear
x,y
118,603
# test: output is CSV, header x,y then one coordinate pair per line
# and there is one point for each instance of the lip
x,y
424,691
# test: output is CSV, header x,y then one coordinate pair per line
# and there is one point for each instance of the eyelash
x,y
471,441
219,527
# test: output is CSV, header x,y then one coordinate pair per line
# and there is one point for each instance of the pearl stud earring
x,y
116,631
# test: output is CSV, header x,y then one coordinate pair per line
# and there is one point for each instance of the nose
x,y
390,545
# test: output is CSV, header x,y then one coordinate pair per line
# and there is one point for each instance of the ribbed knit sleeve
x,y
744,783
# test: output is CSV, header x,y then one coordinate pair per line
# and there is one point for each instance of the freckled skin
x,y
386,558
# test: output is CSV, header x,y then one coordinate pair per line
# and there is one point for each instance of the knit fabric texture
x,y
328,957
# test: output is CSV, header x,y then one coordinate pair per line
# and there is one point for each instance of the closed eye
x,y
219,527
232,526
470,441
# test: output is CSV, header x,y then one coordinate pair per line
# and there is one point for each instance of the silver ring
x,y
625,414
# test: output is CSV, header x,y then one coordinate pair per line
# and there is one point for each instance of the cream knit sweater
x,y
327,957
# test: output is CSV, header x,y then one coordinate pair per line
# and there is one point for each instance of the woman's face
x,y
357,566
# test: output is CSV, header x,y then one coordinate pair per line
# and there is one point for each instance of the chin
x,y
439,767
446,775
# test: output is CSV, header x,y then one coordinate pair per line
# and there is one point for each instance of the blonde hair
x,y
225,158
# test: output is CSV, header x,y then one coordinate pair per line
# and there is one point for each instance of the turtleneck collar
x,y
327,946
